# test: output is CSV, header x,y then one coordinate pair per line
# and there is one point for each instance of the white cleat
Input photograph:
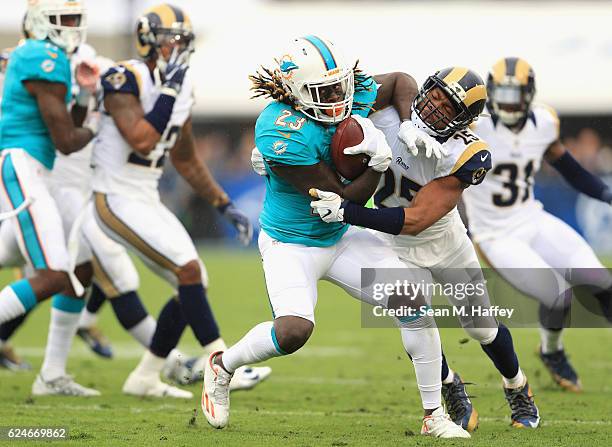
x,y
61,386
439,425
215,393
152,386
247,377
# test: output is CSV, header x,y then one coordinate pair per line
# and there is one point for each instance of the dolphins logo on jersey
x,y
279,147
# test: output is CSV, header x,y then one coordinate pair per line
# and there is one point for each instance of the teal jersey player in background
x,y
22,125
35,122
313,90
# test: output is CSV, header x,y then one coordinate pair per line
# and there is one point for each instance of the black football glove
x,y
239,220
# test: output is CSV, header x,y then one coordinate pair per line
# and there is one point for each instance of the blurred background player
x,y
35,121
537,253
419,197
147,116
313,88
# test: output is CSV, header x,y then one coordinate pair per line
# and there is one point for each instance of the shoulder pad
x,y
122,78
546,118
473,164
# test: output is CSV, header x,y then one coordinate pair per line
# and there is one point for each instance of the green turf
x,y
348,386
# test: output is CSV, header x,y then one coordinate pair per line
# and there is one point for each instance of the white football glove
x,y
416,140
257,162
374,144
329,205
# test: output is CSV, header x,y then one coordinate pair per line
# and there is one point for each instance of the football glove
x,y
175,72
328,207
257,162
416,140
374,144
239,220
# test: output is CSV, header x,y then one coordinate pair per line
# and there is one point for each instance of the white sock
x,y
517,381
449,378
217,345
150,364
143,331
256,346
423,345
10,305
62,328
87,319
551,340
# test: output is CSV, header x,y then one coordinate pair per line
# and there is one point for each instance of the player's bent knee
x,y
292,332
484,335
190,273
49,282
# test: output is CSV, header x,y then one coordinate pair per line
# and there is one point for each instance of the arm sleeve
x,y
581,179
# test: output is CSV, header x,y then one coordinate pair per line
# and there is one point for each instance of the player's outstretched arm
x,y
186,161
129,117
432,202
322,177
50,99
398,90
581,179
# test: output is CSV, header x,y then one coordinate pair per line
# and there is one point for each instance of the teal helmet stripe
x,y
324,51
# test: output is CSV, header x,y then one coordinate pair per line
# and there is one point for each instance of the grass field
x,y
348,386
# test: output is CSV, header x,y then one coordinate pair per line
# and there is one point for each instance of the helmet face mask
x,y
511,88
63,22
321,84
448,101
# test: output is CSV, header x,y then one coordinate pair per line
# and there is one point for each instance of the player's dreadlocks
x,y
267,83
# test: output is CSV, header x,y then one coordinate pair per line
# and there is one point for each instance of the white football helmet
x,y
63,22
318,77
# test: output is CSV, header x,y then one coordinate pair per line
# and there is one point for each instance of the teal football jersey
x,y
21,125
286,136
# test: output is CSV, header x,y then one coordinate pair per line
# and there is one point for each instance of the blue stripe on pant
x,y
26,223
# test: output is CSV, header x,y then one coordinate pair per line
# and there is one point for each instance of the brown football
x,y
348,133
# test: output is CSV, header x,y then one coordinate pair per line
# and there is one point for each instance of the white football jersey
x,y
505,198
468,158
117,168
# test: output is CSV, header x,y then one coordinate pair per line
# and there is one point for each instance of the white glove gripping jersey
x,y
505,198
468,159
117,168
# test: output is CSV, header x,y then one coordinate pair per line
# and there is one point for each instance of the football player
x,y
313,89
147,117
534,251
417,204
35,121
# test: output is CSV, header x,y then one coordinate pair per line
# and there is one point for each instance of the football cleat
x,y
440,425
11,361
192,370
561,370
98,343
525,414
459,405
216,393
247,377
62,386
151,385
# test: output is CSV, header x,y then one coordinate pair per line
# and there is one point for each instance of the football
x,y
348,133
